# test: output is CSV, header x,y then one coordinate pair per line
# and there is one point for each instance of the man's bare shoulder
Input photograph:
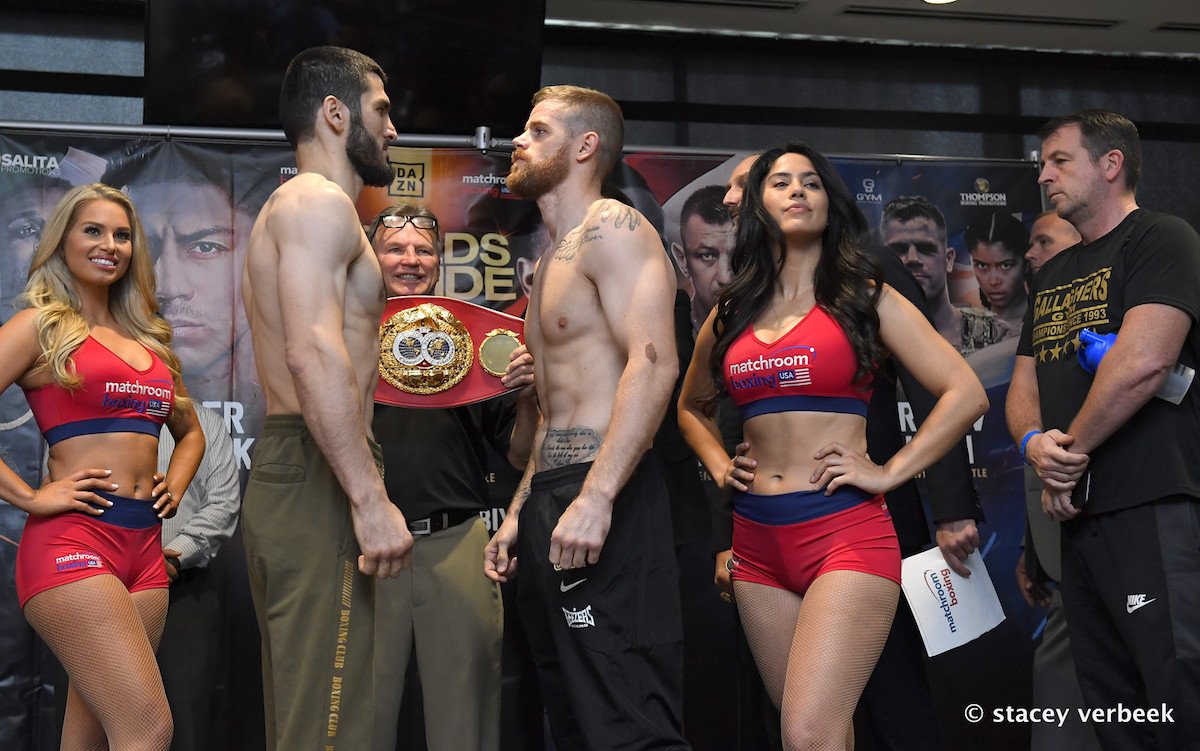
x,y
610,227
308,197
611,212
616,235
311,215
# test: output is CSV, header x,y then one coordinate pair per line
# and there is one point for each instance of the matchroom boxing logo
x,y
77,560
942,589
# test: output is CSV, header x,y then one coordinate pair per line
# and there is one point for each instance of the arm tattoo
x,y
570,446
523,492
569,247
524,489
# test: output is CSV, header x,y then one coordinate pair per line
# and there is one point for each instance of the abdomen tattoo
x,y
569,446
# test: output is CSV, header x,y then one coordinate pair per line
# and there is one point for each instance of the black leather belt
x,y
438,522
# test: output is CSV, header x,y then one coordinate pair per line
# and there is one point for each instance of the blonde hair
x,y
131,299
590,110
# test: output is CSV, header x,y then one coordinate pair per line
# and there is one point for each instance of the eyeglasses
x,y
394,221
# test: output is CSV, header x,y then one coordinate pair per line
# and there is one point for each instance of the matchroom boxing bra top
x,y
808,369
114,397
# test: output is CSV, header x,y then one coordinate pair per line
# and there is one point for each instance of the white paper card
x,y
950,610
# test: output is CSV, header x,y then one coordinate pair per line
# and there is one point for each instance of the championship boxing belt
x,y
438,352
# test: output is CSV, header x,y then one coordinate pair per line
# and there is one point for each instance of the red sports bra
x,y
114,397
808,369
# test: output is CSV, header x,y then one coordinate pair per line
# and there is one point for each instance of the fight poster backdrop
x,y
198,199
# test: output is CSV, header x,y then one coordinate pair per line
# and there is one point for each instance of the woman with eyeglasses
x,y
795,340
93,357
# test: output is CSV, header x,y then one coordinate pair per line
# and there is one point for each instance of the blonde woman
x,y
795,340
93,357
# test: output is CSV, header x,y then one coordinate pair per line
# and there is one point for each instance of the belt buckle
x,y
420,527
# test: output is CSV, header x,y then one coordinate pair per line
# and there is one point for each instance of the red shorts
x,y
788,540
125,541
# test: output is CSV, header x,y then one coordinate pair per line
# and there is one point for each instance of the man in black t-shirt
x,y
435,462
1120,467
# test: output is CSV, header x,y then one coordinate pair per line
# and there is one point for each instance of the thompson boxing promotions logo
x,y
791,366
982,195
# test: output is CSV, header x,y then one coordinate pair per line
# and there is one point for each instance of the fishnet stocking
x,y
816,654
105,637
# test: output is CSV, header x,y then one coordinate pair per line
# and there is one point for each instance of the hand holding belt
x,y
438,352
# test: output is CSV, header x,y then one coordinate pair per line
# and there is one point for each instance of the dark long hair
x,y
847,282
1005,229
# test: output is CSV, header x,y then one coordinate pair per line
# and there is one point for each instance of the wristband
x,y
1025,442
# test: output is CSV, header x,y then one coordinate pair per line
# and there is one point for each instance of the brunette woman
x,y
795,340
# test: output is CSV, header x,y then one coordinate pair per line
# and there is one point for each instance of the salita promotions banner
x,y
198,199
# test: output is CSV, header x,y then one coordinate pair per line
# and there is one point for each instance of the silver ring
x,y
167,493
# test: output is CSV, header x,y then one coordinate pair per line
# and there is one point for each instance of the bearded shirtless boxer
x,y
317,519
599,594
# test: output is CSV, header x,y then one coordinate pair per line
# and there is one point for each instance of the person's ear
x,y
335,114
588,146
680,257
1111,164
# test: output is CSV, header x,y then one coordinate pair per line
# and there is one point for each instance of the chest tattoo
x,y
571,244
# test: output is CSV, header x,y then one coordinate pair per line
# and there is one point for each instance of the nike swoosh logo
x,y
1131,608
564,587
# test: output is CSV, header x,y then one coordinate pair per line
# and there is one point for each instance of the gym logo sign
x,y
410,169
868,194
